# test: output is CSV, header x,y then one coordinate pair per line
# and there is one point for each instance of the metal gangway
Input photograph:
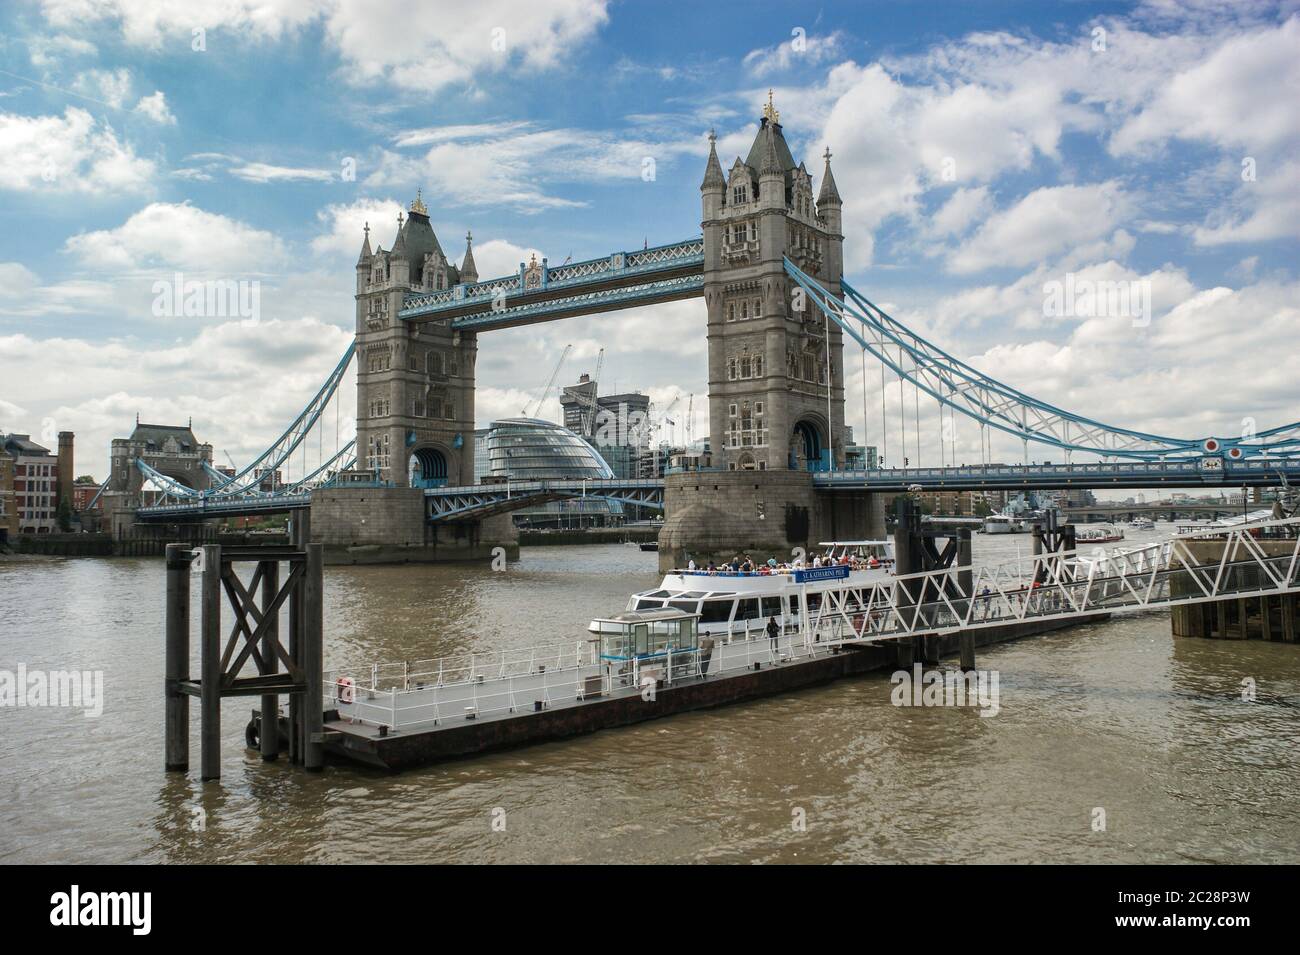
x,y
1215,563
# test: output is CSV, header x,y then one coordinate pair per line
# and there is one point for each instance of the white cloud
x,y
415,49
345,225
69,152
264,172
497,257
515,164
802,50
381,40
104,384
1242,97
23,295
179,236
1044,223
963,209
155,107
110,87
1267,208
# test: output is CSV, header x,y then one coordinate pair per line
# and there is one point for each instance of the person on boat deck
x,y
735,564
773,632
690,564
713,568
817,561
771,562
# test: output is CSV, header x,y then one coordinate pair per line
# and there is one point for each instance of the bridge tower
x,y
776,371
415,381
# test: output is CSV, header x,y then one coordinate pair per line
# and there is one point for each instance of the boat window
x,y
690,606
771,606
716,611
644,604
814,601
641,638
660,593
693,594
748,609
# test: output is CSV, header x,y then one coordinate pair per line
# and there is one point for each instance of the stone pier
x,y
386,525
714,515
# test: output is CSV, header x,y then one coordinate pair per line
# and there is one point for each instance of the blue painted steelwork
x,y
585,303
530,284
992,403
479,500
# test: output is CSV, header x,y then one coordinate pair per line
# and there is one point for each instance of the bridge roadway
x,y
481,500
543,293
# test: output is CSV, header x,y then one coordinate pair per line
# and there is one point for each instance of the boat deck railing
x,y
405,696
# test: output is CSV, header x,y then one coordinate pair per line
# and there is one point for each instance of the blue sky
x,y
982,149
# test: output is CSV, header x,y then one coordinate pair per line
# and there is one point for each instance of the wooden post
x,y
966,640
210,665
313,636
270,737
177,664
299,535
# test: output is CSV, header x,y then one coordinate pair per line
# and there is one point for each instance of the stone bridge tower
x,y
776,373
415,381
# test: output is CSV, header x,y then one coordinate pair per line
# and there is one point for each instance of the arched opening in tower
x,y
427,467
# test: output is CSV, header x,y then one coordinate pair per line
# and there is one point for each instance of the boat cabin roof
x,y
870,543
648,616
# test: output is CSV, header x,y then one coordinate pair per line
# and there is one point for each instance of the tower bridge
x,y
768,262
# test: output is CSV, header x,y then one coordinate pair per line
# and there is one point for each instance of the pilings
x,y
210,664
269,736
177,659
255,636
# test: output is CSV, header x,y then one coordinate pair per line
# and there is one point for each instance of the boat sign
x,y
838,572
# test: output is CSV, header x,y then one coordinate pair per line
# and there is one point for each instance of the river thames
x,y
1117,716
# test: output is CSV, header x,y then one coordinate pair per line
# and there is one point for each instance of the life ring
x,y
345,689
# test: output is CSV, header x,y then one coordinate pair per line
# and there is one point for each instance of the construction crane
x,y
588,414
541,399
690,420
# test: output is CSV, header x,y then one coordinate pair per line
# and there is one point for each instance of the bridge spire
x,y
468,270
365,248
828,193
713,178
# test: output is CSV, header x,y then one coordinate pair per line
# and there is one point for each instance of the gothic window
x,y
435,407
731,311
731,369
758,366
753,231
758,308
808,373
450,409
746,367
413,362
731,410
452,365
738,195
758,407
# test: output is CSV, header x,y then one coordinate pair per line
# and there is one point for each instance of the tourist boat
x,y
1000,524
1098,534
1142,524
734,603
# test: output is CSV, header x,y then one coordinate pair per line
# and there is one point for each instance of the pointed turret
x,y
771,163
468,270
364,259
399,244
829,193
713,178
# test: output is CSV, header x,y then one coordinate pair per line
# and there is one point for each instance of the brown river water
x,y
1115,715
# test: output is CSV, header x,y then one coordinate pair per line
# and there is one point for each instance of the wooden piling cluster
x,y
295,670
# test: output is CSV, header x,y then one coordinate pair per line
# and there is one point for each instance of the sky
x,y
983,151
